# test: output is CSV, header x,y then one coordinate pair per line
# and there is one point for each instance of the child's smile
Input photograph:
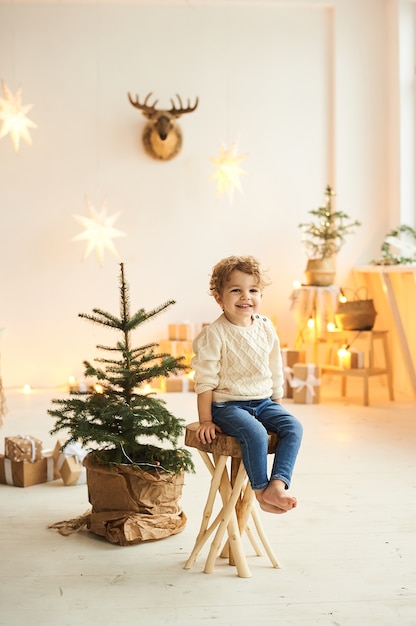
x,y
241,298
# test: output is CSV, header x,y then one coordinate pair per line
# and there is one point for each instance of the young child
x,y
239,382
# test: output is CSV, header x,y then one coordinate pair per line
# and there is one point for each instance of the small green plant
x,y
122,423
326,235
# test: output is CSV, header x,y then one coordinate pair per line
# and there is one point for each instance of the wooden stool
x,y
237,503
338,338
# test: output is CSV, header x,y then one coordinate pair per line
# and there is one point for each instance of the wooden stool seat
x,y
237,497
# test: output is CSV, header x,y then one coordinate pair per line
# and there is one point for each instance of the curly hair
x,y
222,270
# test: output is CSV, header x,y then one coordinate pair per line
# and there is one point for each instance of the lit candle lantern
x,y
344,358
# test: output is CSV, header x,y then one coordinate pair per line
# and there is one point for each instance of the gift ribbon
x,y
8,475
32,444
8,472
288,371
75,449
50,475
310,382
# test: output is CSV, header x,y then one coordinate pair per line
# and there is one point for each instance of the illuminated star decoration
x,y
99,231
228,171
13,114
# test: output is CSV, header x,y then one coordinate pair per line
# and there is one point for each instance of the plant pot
x,y
320,272
131,504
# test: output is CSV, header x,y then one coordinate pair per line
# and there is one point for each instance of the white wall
x,y
302,86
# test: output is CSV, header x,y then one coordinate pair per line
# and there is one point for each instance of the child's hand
x,y
206,432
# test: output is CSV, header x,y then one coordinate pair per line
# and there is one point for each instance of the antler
x,y
181,110
146,108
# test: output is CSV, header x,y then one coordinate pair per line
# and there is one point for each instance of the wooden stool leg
x,y
229,520
263,539
205,532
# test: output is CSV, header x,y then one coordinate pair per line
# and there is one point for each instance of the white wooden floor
x,y
348,552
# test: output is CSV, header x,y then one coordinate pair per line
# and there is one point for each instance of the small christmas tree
x,y
119,421
326,235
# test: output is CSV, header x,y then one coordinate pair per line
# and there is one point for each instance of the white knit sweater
x,y
238,362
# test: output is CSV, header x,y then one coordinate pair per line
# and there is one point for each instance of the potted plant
x,y
323,238
134,484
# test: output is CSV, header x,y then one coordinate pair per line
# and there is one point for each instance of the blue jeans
x,y
249,421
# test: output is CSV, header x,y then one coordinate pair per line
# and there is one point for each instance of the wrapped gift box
x,y
73,472
305,383
58,457
290,356
25,473
68,463
179,383
185,331
23,448
357,358
177,349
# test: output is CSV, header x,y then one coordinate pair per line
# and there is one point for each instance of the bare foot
x,y
275,496
265,506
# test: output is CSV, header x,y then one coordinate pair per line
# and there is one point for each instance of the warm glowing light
x,y
228,171
13,114
99,231
297,284
98,388
330,327
344,357
27,389
311,323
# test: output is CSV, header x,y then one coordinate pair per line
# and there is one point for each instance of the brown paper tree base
x,y
129,505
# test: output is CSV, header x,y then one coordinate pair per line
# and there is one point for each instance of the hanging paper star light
x,y
13,114
99,231
228,171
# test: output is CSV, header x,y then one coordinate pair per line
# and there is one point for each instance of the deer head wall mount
x,y
162,136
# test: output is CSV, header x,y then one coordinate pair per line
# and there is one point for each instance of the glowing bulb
x,y
311,323
344,357
330,327
342,298
27,388
98,388
297,284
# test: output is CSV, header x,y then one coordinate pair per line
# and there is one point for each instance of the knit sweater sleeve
x,y
207,359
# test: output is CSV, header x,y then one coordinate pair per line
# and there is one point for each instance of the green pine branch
x,y
123,419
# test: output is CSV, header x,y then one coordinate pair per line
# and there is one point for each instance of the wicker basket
x,y
356,314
